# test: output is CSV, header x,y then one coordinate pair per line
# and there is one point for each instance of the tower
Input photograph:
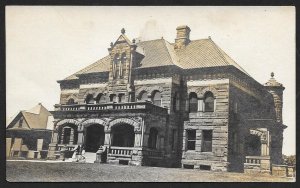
x,y
121,57
276,89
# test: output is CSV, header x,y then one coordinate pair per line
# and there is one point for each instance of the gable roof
x,y
197,54
36,117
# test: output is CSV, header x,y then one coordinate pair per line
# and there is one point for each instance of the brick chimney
x,y
182,37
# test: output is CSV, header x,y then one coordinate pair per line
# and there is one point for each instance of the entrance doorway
x,y
123,135
94,138
253,145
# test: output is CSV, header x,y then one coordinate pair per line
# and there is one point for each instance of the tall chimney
x,y
182,37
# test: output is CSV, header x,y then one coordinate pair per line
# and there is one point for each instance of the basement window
x,y
123,162
188,166
191,139
205,167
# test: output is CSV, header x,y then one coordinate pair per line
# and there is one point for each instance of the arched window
x,y
116,66
100,98
156,98
89,99
193,101
152,138
121,97
71,101
209,102
144,96
122,64
113,98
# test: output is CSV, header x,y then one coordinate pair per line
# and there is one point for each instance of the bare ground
x,y
25,171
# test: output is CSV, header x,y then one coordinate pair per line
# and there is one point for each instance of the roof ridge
x,y
175,63
218,51
94,64
240,67
87,67
148,41
25,118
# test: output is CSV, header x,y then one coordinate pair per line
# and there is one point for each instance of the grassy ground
x,y
24,171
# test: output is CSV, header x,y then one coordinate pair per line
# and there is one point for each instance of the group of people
x,y
79,151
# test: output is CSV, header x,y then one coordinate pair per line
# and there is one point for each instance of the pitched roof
x,y
204,53
36,117
156,53
197,54
102,65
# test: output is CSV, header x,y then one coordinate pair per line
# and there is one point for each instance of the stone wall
x,y
216,121
250,111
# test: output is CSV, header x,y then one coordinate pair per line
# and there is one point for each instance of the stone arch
x,y
89,122
150,89
208,89
68,121
88,93
129,121
72,96
140,94
256,132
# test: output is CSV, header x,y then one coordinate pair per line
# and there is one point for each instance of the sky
x,y
48,43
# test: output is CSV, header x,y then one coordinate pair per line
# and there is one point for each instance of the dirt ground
x,y
25,171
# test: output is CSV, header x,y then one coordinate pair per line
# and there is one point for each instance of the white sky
x,y
46,44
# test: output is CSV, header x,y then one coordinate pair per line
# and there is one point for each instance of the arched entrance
x,y
122,135
253,145
67,134
94,137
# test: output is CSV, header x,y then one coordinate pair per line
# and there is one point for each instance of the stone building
x,y
29,132
183,104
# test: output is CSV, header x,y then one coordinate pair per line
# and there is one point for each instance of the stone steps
x,y
90,157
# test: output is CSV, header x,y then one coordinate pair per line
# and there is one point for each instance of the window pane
x,y
193,102
206,141
191,134
191,145
191,139
157,99
209,102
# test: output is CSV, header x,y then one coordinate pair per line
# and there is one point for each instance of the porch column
x,y
138,139
107,139
80,138
265,140
55,137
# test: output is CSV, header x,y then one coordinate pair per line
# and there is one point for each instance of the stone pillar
x,y
71,137
107,140
39,147
145,141
52,146
137,139
265,140
80,138
55,137
200,105
8,146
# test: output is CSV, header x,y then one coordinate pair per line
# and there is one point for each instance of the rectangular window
x,y
206,141
191,139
